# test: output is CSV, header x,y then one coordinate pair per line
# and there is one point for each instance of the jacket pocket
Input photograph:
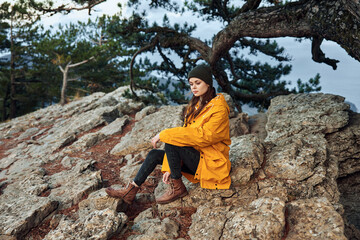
x,y
216,163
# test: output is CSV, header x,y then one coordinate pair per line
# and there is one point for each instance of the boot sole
x,y
171,200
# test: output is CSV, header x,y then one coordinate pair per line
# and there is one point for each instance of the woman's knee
x,y
169,146
155,155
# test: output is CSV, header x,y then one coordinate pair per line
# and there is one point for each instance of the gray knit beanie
x,y
203,72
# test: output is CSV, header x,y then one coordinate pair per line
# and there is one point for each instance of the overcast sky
x,y
344,81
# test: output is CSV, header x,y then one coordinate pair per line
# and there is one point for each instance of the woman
x,y
199,150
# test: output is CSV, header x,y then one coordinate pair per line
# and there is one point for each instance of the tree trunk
x,y
334,20
6,97
222,79
65,71
12,74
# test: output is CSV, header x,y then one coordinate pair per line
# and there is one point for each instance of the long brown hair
x,y
191,112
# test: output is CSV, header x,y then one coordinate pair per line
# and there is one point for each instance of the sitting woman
x,y
199,150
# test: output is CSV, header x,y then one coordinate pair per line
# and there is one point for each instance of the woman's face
x,y
198,86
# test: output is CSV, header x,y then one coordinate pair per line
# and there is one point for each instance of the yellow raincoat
x,y
209,134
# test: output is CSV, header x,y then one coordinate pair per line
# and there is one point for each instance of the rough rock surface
x,y
346,146
349,188
37,176
304,114
246,156
154,228
239,125
263,218
297,147
21,213
99,224
314,218
145,129
295,173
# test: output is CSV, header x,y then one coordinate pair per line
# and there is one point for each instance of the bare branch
x,y
318,55
61,69
165,58
263,23
99,41
79,63
232,69
179,39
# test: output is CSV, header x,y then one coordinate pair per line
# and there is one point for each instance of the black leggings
x,y
180,159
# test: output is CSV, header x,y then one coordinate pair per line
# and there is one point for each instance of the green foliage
x,y
75,43
162,52
251,82
312,85
109,70
4,41
17,31
39,53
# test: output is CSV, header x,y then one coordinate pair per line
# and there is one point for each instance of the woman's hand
x,y
166,178
155,140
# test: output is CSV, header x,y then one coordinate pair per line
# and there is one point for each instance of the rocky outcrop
x,y
38,178
295,173
297,147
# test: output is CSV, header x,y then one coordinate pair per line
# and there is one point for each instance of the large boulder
x,y
305,114
296,144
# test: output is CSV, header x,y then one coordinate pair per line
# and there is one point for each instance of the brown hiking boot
x,y
176,190
127,194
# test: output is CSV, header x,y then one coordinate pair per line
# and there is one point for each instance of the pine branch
x,y
141,50
65,8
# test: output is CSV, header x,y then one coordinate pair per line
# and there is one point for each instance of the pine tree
x,y
247,81
18,22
